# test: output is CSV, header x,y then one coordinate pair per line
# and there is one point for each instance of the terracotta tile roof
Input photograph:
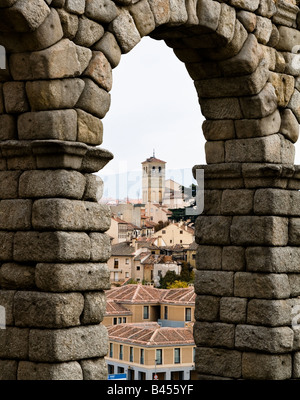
x,y
153,159
119,220
122,249
179,296
137,294
131,294
114,308
150,334
193,246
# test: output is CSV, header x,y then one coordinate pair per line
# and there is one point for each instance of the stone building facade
x,y
54,92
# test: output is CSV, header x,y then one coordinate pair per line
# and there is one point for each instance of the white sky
x,y
154,105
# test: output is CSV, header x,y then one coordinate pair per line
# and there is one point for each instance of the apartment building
x,y
145,350
150,332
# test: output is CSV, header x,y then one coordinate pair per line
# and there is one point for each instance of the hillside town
x,y
150,306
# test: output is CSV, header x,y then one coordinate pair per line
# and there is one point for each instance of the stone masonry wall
x,y
54,93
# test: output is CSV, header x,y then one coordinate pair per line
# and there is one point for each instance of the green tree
x,y
168,279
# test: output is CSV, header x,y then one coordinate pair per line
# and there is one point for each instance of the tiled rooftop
x,y
147,294
150,334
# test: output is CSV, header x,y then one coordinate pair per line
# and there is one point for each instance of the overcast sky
x,y
154,106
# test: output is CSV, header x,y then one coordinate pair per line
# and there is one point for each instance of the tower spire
x,y
153,153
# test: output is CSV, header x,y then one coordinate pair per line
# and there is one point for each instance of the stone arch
x,y
243,58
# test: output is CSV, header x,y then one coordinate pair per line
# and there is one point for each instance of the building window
x,y
111,350
127,261
121,352
188,314
166,312
180,241
171,241
116,262
142,356
124,320
126,274
131,354
115,321
146,312
158,356
138,268
177,356
120,320
181,232
193,256
163,231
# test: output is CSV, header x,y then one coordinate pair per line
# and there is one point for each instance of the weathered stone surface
x,y
178,12
94,99
284,87
47,310
250,5
110,48
41,371
261,286
15,100
294,231
213,230
99,70
89,128
8,127
207,308
94,369
6,239
69,23
8,370
72,215
216,109
214,334
247,128
277,202
24,16
103,11
89,32
254,230
58,183
209,257
75,6
269,312
9,181
57,124
56,62
51,246
100,247
15,214
215,152
260,105
7,301
270,340
233,258
248,19
220,362
294,104
17,276
72,277
263,29
160,10
272,259
83,342
208,13
143,17
218,130
94,308
288,39
55,94
237,202
94,188
267,8
233,310
125,31
215,283
266,366
14,343
289,125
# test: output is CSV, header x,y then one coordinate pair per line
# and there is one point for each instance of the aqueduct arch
x,y
242,55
